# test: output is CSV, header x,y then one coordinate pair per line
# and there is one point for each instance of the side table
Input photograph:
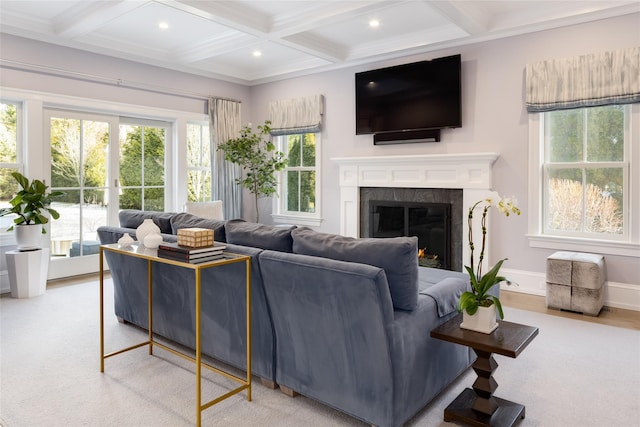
x,y
151,256
28,272
478,406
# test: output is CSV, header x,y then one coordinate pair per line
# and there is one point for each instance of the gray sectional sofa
x,y
343,321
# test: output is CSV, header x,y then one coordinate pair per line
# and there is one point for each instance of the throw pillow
x,y
132,218
187,220
397,256
240,232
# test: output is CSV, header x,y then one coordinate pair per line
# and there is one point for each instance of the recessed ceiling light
x,y
163,26
374,23
257,53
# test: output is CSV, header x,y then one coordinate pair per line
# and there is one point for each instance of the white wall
x,y
494,120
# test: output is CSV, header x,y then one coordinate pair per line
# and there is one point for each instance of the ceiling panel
x,y
140,28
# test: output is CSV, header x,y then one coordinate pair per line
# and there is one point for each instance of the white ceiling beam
x,y
462,14
230,14
214,47
315,46
91,16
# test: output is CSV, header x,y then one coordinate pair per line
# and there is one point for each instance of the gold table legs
x,y
245,382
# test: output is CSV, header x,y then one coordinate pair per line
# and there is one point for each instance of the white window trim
x,y
630,247
280,215
7,238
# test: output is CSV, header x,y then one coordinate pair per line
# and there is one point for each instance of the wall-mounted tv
x,y
420,96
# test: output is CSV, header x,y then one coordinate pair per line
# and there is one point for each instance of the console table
x,y
151,256
478,406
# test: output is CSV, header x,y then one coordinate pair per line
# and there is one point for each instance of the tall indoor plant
x,y
30,205
478,299
259,160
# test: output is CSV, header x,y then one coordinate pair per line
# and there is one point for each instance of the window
x,y
583,193
298,198
198,163
10,159
584,185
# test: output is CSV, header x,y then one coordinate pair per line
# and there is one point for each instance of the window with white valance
x,y
296,125
583,179
596,79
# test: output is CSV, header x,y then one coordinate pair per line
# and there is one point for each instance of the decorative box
x,y
195,237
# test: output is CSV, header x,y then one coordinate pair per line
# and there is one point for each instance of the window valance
x,y
584,81
297,115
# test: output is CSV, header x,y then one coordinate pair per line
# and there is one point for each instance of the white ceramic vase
x,y
147,227
28,237
152,240
125,240
484,320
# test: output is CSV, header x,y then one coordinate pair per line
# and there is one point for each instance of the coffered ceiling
x,y
250,42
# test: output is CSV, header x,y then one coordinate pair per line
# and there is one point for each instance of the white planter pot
x,y
484,320
28,237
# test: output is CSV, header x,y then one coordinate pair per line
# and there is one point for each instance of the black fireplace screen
x,y
430,222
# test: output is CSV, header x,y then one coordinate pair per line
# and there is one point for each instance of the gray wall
x,y
494,120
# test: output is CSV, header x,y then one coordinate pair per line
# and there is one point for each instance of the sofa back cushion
x,y
262,236
397,256
187,220
132,218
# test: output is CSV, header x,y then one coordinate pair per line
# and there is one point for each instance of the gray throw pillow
x,y
240,232
187,220
397,256
132,218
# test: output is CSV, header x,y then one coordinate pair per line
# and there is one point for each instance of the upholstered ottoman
x,y
575,282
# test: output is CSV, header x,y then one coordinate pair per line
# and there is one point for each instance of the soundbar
x,y
405,137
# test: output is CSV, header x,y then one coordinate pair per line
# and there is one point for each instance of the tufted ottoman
x,y
575,282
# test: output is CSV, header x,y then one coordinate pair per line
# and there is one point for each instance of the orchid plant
x,y
481,284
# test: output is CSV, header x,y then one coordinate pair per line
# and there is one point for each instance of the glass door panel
x,y
142,167
79,168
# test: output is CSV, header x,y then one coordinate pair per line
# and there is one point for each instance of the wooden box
x,y
195,237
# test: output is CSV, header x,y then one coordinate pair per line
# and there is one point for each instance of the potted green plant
x,y
478,304
259,160
30,205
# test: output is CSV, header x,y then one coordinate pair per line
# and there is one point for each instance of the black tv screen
x,y
421,95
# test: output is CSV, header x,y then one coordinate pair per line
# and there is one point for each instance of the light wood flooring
x,y
608,316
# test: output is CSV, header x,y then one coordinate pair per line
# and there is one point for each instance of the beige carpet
x,y
574,373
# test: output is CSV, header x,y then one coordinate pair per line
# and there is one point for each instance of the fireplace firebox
x,y
432,215
429,222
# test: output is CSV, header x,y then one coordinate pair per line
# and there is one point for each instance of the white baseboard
x,y
619,295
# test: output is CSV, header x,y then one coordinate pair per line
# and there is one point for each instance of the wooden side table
x,y
478,406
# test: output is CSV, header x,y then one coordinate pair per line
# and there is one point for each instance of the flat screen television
x,y
419,96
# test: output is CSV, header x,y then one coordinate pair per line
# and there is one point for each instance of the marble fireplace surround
x,y
469,172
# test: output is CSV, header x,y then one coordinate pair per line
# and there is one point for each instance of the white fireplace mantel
x,y
469,172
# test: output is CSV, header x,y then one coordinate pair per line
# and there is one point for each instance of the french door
x,y
102,164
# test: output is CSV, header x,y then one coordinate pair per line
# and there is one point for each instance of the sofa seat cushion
x,y
132,218
240,232
187,220
397,256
